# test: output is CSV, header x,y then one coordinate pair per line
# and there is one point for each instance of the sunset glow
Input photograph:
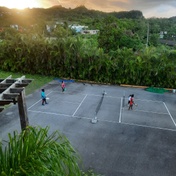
x,y
149,8
19,4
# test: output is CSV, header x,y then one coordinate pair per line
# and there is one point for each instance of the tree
x,y
116,34
62,31
110,34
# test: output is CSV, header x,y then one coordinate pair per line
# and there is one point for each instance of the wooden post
x,y
23,110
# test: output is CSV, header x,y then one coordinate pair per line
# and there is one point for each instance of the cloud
x,y
149,8
155,8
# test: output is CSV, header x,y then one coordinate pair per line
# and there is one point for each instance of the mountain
x,y
133,14
59,13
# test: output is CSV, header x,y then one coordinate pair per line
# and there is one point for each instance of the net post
x,y
95,119
123,100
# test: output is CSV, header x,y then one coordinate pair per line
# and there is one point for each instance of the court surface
x,y
122,142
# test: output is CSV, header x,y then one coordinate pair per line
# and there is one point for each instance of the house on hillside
x,y
50,28
93,32
162,33
78,28
14,26
18,28
168,42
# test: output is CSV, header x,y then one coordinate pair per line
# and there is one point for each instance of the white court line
x,y
146,126
38,101
88,118
107,96
147,100
151,112
169,114
50,113
34,104
120,115
115,122
96,95
79,105
58,114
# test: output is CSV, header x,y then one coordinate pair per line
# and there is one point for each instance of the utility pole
x,y
147,35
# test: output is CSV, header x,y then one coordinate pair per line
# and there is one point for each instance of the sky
x,y
149,8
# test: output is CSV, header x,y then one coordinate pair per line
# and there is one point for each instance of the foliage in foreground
x,y
36,152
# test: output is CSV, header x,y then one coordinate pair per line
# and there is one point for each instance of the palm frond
x,y
36,152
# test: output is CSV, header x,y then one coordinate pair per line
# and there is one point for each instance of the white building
x,y
93,32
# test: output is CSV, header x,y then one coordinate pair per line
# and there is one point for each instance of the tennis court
x,y
112,109
138,142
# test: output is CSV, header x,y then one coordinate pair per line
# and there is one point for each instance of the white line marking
x,y
34,104
115,122
120,115
113,97
58,114
38,101
107,96
150,112
79,105
132,124
51,113
169,113
87,118
147,100
93,95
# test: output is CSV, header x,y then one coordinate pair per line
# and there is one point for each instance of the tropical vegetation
x,y
127,50
119,54
36,152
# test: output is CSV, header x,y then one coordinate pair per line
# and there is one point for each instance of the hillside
x,y
57,13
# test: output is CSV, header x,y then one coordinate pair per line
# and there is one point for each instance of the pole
x,y
23,110
123,102
147,35
95,119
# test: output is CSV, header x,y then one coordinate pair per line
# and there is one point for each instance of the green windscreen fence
x,y
156,90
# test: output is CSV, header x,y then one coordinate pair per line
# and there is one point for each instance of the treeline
x,y
30,18
78,58
35,15
125,51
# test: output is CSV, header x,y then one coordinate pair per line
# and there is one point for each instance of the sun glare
x,y
19,4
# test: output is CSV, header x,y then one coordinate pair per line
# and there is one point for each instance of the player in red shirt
x,y
131,102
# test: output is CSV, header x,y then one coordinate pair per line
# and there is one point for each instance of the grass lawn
x,y
38,80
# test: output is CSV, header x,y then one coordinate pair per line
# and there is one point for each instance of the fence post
x,y
23,110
